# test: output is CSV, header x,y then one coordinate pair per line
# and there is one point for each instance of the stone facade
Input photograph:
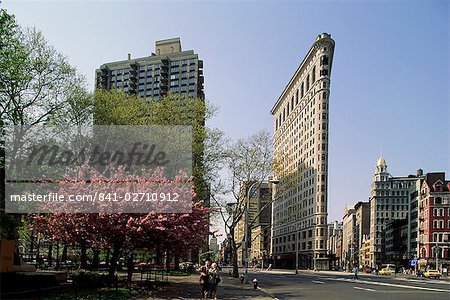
x,y
301,161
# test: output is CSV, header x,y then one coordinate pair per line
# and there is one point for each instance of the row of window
x,y
157,96
440,212
440,224
290,106
183,75
183,62
182,69
441,237
182,88
182,82
284,114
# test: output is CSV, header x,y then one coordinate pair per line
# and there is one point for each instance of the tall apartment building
x,y
301,156
434,221
168,69
389,200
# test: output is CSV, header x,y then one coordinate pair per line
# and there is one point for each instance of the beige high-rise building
x,y
389,200
301,161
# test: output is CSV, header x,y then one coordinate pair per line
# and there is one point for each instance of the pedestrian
x,y
214,280
204,279
355,272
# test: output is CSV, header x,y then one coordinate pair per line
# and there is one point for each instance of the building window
x,y
302,90
307,82
324,72
314,75
324,60
296,97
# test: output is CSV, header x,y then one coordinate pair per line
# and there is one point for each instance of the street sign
x,y
413,262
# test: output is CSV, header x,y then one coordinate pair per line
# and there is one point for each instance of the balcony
x,y
200,64
164,74
201,79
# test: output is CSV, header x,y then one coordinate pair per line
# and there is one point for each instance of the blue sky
x,y
389,82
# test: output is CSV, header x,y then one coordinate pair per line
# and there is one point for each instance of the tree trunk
x,y
64,253
158,256
167,261
50,256
108,254
130,266
234,258
95,258
83,258
113,263
32,243
177,262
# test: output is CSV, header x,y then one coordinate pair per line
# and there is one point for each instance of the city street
x,y
284,284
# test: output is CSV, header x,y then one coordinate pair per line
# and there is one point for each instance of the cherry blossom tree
x,y
121,233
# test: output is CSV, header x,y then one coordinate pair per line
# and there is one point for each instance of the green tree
x,y
249,163
116,108
37,86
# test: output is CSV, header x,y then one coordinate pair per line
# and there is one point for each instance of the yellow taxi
x,y
385,272
432,274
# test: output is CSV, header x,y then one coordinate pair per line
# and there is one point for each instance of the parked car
x,y
385,272
432,274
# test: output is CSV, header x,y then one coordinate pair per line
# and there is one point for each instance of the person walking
x,y
214,280
355,272
204,278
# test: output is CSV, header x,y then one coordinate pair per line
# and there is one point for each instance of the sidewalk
x,y
188,287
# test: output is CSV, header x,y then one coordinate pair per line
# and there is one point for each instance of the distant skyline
x,y
389,82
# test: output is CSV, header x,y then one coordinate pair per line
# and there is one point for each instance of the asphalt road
x,y
337,285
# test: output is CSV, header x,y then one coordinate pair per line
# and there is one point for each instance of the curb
x,y
267,293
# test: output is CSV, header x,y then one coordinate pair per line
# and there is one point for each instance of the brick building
x,y
434,221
